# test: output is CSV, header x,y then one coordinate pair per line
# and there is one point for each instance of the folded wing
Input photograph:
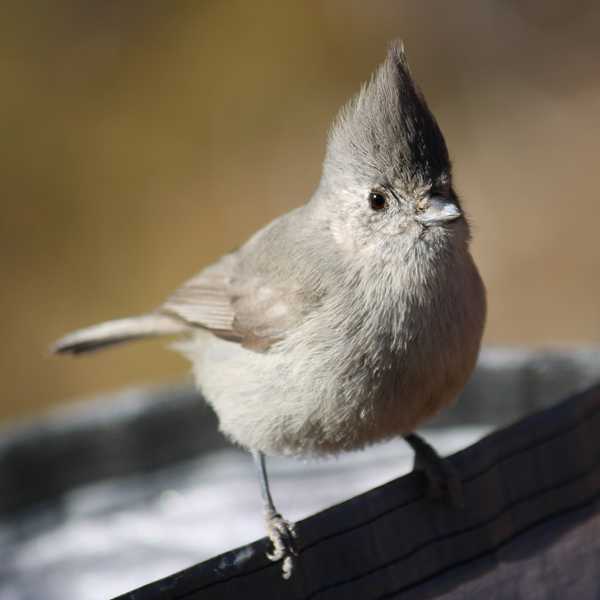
x,y
242,309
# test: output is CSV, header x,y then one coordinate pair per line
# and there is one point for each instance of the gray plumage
x,y
119,331
348,320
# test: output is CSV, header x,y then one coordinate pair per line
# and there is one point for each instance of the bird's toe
x,y
282,534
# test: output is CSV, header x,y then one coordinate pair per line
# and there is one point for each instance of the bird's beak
x,y
438,210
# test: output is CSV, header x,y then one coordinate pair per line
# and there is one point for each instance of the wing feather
x,y
245,310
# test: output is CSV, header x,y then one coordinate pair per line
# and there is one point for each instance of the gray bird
x,y
346,321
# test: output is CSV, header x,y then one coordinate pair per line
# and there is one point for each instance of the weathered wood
x,y
530,530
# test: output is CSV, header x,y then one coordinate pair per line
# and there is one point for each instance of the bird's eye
x,y
377,201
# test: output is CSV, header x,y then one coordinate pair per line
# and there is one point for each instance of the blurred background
x,y
142,140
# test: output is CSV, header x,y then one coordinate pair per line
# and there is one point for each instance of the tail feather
x,y
117,332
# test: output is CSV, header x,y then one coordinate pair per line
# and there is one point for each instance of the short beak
x,y
439,210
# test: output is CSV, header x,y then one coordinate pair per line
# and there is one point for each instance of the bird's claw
x,y
282,534
443,480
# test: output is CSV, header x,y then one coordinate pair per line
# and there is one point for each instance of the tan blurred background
x,y
141,140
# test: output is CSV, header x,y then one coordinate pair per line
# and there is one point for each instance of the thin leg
x,y
442,478
281,532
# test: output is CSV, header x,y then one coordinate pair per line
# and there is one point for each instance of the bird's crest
x,y
388,127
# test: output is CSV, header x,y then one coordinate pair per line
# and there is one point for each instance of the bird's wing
x,y
242,309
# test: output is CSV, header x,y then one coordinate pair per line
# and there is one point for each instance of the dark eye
x,y
377,200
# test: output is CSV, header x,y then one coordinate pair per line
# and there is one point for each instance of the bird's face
x,y
391,219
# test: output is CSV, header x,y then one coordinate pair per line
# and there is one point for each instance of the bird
x,y
347,321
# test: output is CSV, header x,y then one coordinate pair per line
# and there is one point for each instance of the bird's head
x,y
387,175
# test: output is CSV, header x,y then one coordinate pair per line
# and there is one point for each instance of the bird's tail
x,y
117,332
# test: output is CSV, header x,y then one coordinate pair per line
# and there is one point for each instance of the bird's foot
x,y
282,534
443,480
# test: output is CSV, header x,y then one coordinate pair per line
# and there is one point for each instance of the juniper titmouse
x,y
348,320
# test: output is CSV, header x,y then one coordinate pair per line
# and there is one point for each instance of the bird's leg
x,y
442,478
281,532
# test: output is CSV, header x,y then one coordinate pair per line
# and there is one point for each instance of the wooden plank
x,y
532,497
